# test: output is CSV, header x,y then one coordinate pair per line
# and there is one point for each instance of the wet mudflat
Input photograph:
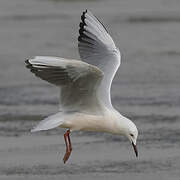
x,y
145,89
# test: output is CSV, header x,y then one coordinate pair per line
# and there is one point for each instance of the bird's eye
x,y
131,135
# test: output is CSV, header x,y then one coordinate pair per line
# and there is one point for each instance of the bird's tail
x,y
50,122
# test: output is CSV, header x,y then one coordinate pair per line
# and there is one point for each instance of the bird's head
x,y
132,134
128,128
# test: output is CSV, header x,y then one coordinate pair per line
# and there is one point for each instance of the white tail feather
x,y
50,122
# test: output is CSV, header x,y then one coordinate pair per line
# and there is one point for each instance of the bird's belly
x,y
84,122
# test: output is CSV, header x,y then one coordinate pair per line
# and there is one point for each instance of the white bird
x,y
85,100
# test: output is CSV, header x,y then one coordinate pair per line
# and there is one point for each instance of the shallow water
x,y
145,89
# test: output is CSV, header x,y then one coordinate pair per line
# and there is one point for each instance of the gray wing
x,y
96,47
78,80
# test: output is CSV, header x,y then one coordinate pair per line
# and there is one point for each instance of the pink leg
x,y
68,146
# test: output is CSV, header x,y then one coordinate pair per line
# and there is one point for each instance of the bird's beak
x,y
135,149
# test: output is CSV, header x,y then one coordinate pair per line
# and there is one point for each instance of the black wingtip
x,y
28,64
83,17
82,36
81,25
27,61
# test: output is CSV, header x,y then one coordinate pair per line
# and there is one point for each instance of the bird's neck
x,y
116,124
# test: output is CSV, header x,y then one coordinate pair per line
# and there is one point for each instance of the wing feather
x,y
96,47
78,80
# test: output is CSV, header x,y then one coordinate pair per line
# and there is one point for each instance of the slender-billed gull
x,y
85,100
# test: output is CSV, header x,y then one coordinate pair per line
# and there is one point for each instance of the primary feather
x,y
96,47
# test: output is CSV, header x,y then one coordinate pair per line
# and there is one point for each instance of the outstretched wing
x,y
78,81
96,47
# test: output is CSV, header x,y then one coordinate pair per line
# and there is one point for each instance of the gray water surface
x,y
145,89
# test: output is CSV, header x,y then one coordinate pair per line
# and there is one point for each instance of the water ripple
x,y
95,167
33,17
